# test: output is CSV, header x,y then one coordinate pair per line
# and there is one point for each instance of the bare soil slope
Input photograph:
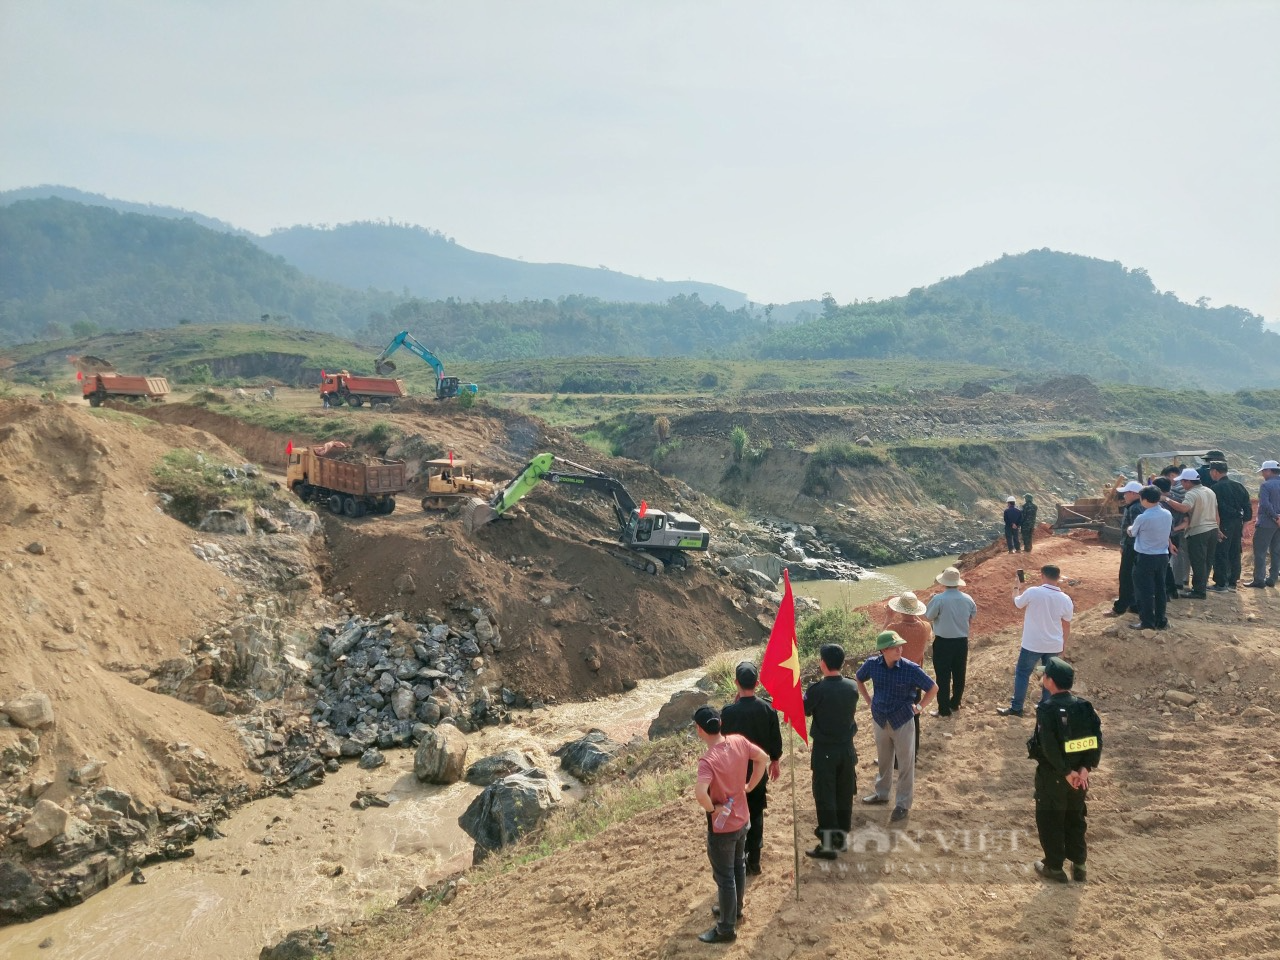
x,y
1183,831
116,588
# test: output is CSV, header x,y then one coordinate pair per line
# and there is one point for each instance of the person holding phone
x,y
1045,629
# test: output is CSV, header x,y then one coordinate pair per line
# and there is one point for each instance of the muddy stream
x,y
313,860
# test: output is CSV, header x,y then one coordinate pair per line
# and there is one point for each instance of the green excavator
x,y
648,539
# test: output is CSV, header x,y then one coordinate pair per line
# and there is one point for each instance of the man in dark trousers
x,y
1126,602
1012,525
1029,514
1235,509
831,702
758,722
1066,746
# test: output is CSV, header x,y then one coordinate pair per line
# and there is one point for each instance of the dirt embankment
x,y
100,584
1182,825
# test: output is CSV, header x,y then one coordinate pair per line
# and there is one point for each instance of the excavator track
x,y
632,558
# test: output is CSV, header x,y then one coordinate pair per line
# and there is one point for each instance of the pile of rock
x,y
385,683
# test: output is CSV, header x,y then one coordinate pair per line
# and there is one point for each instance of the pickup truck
x,y
101,387
348,481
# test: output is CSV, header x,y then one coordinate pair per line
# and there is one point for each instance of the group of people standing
x,y
1187,526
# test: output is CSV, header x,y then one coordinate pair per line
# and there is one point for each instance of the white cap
x,y
1189,474
1010,499
1133,486
1269,465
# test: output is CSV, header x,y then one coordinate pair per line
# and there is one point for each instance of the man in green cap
x,y
1066,746
896,681
1029,513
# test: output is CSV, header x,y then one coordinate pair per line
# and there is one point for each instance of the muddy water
x,y
879,584
288,864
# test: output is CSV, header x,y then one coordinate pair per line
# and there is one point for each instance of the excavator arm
x,y
540,468
445,386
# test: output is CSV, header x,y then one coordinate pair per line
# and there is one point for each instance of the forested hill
x,y
70,268
1045,310
431,266
423,262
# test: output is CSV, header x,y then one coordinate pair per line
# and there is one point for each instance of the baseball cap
x,y
1060,672
1011,499
1189,474
1133,486
1269,465
708,718
746,674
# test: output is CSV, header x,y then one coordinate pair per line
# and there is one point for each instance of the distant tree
x,y
662,428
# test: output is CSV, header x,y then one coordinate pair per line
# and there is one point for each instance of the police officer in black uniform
x,y
758,722
1066,746
831,703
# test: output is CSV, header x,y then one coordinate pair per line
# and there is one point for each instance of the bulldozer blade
x,y
477,514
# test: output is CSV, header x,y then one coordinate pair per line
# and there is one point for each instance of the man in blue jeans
x,y
1045,629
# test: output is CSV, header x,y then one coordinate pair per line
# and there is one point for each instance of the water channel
x,y
312,860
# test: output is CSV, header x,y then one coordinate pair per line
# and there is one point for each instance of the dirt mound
x,y
1163,867
575,622
99,583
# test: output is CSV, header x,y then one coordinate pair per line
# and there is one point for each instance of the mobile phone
x,y
1022,576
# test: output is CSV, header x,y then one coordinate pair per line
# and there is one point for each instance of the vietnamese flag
x,y
780,666
288,450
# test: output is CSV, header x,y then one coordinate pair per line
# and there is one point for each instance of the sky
x,y
784,149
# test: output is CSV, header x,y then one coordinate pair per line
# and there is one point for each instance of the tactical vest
x,y
1077,728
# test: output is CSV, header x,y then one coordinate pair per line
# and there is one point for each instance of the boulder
x,y
403,703
299,945
33,711
489,769
304,522
584,757
47,820
508,809
442,756
677,713
224,521
19,893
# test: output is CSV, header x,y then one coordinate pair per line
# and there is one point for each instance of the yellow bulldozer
x,y
446,483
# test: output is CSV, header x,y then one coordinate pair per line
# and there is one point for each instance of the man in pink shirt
x,y
722,792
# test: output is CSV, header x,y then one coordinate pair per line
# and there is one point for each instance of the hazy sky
x,y
781,148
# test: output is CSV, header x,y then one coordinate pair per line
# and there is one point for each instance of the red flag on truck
x,y
289,449
780,666
79,375
450,458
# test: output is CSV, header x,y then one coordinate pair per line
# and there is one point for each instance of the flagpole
x,y
795,817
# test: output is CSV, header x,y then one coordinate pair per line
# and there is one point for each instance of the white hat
x,y
907,603
1010,499
1133,486
1269,465
1189,474
950,577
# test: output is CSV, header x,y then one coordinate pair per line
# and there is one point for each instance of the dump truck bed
x,y
377,477
120,385
375,386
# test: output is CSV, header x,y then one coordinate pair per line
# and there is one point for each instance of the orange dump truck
x,y
100,387
357,391
348,481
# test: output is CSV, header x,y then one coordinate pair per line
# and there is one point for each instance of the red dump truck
x,y
348,481
101,387
357,391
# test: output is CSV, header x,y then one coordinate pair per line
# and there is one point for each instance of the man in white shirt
x,y
1045,629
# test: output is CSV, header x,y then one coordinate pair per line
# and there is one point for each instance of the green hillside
x,y
429,265
70,268
1050,311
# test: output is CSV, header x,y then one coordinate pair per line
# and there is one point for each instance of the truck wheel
x,y
388,506
95,400
351,508
335,503
355,401
304,491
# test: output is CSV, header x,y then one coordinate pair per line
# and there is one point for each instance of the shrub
x,y
196,484
850,629
662,428
740,441
466,400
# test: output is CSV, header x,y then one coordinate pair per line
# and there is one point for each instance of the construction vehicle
x,y
649,540
98,388
357,391
450,482
446,387
349,482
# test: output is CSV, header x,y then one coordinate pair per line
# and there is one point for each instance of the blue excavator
x,y
446,387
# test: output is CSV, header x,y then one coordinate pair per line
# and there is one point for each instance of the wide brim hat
x,y
887,639
1269,465
949,577
907,602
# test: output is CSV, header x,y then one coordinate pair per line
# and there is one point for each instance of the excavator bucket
x,y
384,367
477,514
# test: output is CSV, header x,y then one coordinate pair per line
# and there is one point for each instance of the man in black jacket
x,y
1235,509
1066,746
1127,601
1028,527
831,702
758,722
